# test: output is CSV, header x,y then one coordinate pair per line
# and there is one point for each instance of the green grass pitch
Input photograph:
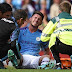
x,y
11,69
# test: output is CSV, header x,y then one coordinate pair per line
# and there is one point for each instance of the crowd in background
x,y
50,8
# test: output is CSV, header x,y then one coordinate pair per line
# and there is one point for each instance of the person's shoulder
x,y
7,20
24,28
53,5
53,20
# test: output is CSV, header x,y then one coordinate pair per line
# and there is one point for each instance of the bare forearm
x,y
47,51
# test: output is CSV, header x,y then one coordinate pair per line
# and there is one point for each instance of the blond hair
x,y
65,6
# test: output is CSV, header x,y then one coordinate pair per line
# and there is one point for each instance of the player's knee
x,y
44,58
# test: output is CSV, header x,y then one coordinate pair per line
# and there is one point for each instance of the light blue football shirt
x,y
30,42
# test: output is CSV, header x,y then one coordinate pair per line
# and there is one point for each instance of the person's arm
x,y
47,51
44,47
47,31
52,11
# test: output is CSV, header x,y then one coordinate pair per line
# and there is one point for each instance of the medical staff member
x,y
59,32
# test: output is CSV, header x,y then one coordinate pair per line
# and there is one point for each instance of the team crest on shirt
x,y
38,39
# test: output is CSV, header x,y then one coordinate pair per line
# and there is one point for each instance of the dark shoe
x,y
20,67
12,57
58,66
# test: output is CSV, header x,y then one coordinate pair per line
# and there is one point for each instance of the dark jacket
x,y
6,28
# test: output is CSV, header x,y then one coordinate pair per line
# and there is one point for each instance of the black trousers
x,y
4,49
62,48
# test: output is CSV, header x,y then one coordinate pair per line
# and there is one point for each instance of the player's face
x,y
36,20
7,14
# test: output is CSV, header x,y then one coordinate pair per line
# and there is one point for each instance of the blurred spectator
x,y
54,10
67,0
37,4
5,10
29,6
44,11
9,2
17,4
1,1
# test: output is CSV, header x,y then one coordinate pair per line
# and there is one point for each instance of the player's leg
x,y
44,59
